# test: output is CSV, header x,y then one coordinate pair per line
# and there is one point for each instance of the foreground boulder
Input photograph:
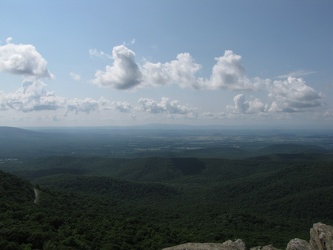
x,y
268,247
321,238
298,244
228,245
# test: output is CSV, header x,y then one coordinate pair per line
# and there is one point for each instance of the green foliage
x,y
15,189
151,203
106,186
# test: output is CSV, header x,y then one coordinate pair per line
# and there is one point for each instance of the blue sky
x,y
100,63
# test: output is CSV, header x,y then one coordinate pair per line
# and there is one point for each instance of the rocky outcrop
x,y
228,245
321,238
268,247
298,244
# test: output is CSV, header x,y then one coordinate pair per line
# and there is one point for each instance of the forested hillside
x,y
151,203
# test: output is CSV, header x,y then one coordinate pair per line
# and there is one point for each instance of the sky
x,y
253,63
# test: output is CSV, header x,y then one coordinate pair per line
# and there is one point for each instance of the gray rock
x,y
237,245
228,245
321,237
298,244
267,247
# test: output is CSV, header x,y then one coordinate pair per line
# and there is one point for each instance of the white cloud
x,y
100,54
124,72
165,106
228,73
32,96
75,77
243,106
297,73
293,95
3,101
287,96
86,105
180,72
123,107
212,115
23,59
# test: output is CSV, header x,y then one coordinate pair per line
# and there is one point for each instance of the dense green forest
x,y
156,202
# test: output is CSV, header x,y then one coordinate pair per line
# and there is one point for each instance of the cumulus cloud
x,y
164,106
179,72
86,105
124,72
228,72
32,96
293,95
23,59
123,107
243,106
74,76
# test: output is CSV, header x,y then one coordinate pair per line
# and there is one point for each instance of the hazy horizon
x,y
156,127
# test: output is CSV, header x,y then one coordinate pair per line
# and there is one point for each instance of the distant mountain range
x,y
159,140
260,130
13,132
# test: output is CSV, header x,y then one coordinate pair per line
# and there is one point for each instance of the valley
x,y
162,188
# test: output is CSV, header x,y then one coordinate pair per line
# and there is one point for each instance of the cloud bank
x,y
290,95
31,96
164,106
228,73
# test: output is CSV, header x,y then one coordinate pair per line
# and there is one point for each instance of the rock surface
x,y
321,238
228,245
298,244
268,247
